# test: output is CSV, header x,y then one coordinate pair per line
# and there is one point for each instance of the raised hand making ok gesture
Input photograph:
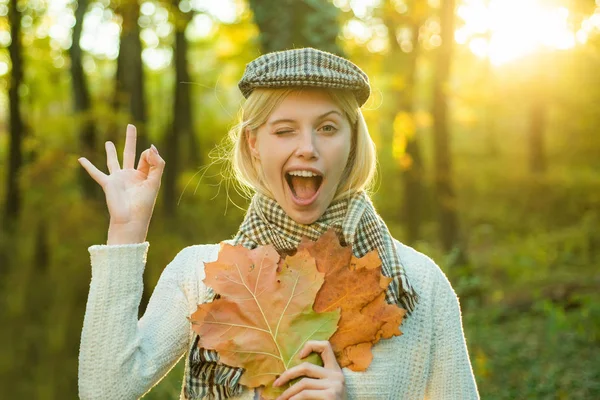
x,y
130,193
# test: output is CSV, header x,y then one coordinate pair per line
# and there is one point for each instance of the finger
x,y
144,163
305,369
94,172
112,162
151,164
323,347
129,152
303,384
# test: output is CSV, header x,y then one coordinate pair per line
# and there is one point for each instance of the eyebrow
x,y
319,117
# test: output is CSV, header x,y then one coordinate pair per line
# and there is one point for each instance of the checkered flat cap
x,y
305,67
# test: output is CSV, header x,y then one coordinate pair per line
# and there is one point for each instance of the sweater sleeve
x,y
121,357
451,376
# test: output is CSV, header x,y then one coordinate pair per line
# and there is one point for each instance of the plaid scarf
x,y
355,221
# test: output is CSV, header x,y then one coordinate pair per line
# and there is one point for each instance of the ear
x,y
251,137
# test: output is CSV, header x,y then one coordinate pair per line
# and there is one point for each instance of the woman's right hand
x,y
130,193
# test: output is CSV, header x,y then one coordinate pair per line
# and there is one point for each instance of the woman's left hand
x,y
326,382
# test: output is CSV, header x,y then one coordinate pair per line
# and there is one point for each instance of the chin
x,y
305,218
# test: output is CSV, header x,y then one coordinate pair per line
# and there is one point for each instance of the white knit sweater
x,y
123,358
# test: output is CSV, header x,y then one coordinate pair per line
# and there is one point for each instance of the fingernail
x,y
154,148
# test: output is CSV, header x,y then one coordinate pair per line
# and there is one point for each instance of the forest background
x,y
485,114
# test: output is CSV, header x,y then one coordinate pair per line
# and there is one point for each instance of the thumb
x,y
322,347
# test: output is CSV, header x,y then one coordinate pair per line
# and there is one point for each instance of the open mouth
x,y
304,185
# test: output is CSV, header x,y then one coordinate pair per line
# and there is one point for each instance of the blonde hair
x,y
360,170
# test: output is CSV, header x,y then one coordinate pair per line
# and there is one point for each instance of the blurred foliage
x,y
530,294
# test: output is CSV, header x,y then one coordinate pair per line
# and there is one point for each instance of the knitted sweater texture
x,y
122,357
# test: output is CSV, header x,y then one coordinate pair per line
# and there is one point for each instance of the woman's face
x,y
302,150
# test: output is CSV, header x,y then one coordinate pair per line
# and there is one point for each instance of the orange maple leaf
x,y
357,287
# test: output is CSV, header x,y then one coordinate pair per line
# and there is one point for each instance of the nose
x,y
307,144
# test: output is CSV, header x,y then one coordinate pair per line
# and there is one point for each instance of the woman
x,y
303,147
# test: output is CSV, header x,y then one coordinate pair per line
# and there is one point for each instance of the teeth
x,y
306,174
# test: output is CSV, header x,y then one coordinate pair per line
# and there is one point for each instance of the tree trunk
x,y
413,174
15,155
286,24
182,124
402,101
446,198
537,126
119,99
42,248
82,105
129,80
490,107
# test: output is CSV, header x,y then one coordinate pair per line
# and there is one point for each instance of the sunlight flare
x,y
506,30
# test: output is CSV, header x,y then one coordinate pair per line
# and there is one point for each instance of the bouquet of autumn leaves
x,y
269,307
